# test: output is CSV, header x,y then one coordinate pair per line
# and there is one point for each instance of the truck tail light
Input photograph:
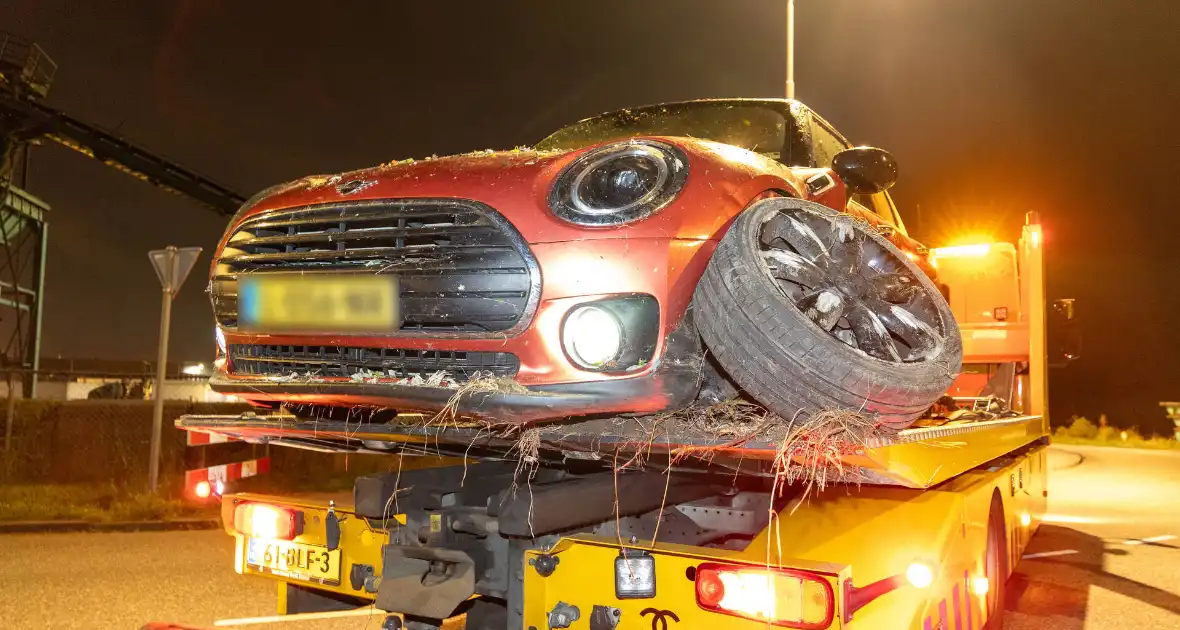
x,y
258,520
782,597
920,575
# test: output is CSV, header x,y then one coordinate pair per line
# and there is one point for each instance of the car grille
x,y
347,362
461,267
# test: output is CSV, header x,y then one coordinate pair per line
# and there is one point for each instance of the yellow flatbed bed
x,y
919,457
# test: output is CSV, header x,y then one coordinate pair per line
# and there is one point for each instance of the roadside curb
x,y
54,527
1112,447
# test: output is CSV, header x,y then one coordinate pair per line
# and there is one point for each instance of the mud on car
x,y
634,262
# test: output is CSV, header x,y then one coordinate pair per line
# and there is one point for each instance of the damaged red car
x,y
634,262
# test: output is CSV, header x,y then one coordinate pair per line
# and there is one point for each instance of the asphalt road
x,y
1111,515
1113,530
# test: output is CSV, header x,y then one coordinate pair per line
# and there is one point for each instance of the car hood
x,y
516,184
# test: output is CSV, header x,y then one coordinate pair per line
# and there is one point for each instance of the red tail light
x,y
202,490
782,597
259,520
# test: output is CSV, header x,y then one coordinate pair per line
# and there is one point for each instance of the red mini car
x,y
633,262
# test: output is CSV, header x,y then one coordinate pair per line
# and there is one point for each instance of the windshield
x,y
757,127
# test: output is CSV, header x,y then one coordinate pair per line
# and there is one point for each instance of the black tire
x,y
996,564
792,365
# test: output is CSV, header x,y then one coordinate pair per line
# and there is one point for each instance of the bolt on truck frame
x,y
926,539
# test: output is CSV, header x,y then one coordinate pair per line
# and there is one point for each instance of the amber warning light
x,y
962,251
791,599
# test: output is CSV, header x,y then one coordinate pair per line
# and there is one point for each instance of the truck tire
x,y
996,564
808,309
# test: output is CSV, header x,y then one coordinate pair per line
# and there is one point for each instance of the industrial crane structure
x,y
26,74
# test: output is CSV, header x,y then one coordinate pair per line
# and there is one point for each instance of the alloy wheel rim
x,y
850,286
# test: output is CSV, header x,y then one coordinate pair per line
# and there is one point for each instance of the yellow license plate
x,y
318,303
309,563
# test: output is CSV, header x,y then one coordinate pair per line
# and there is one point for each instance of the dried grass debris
x,y
480,382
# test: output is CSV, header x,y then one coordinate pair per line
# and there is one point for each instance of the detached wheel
x,y
808,310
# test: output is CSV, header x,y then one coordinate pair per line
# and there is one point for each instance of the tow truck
x,y
921,530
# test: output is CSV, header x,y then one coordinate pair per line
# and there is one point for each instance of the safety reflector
x,y
782,597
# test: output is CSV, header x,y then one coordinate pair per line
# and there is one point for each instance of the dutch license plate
x,y
318,303
309,563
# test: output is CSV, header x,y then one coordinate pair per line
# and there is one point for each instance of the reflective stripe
x,y
196,438
970,615
228,472
958,606
942,613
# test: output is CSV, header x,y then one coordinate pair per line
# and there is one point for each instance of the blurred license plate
x,y
318,303
294,560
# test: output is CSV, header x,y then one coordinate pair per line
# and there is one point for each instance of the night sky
x,y
993,108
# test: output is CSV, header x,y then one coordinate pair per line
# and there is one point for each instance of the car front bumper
x,y
672,384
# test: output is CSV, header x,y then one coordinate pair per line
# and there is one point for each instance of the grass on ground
x,y
102,503
95,503
1085,433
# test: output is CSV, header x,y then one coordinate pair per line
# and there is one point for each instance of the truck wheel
x,y
995,562
808,309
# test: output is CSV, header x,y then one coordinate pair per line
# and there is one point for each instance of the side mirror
x,y
1063,332
866,170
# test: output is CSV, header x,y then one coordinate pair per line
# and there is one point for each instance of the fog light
x,y
592,336
202,490
920,575
635,575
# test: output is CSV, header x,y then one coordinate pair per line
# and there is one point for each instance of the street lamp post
x,y
790,48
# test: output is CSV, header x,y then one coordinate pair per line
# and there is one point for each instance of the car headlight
x,y
219,335
612,335
619,183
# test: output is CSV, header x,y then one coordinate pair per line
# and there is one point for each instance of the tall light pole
x,y
790,48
